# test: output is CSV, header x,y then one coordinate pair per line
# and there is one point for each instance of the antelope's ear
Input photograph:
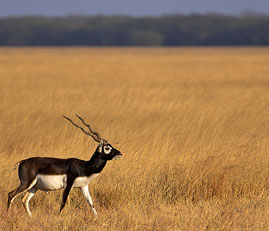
x,y
100,145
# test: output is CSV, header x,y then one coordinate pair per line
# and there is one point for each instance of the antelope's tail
x,y
16,165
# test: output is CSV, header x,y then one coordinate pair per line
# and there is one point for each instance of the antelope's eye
x,y
107,149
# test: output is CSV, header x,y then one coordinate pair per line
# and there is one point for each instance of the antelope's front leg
x,y
70,181
86,194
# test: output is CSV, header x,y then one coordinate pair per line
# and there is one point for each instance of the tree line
x,y
169,30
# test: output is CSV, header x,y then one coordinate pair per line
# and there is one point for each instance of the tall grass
x,y
192,125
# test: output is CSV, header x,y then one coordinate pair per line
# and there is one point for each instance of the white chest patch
x,y
83,181
55,182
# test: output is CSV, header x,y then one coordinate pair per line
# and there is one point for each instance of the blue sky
x,y
129,7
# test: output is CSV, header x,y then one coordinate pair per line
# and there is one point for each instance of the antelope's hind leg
x,y
23,187
27,197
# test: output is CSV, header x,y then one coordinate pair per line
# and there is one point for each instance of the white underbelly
x,y
50,182
55,182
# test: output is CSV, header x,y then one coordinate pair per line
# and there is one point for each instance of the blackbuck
x,y
48,174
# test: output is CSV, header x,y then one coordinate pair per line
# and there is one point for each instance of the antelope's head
x,y
106,150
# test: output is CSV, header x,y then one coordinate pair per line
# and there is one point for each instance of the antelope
x,y
49,174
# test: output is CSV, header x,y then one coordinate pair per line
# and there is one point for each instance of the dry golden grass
x,y
192,124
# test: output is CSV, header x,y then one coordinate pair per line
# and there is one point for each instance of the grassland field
x,y
192,124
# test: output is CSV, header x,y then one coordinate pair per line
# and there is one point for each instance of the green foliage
x,y
171,30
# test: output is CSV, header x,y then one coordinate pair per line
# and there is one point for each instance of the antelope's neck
x,y
95,164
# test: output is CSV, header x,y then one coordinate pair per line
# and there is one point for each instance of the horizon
x,y
139,8
242,14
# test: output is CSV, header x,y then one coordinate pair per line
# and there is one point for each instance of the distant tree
x,y
144,38
169,30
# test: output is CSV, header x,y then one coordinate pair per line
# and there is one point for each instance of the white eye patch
x,y
107,149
